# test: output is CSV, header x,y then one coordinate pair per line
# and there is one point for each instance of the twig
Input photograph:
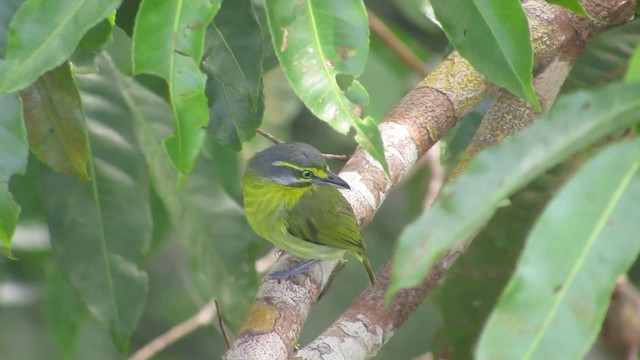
x,y
273,138
396,44
203,317
336,157
223,329
277,141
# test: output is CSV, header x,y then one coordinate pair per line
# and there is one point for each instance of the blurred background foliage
x,y
194,244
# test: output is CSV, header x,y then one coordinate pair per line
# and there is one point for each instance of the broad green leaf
x,y
315,42
221,246
233,64
13,160
43,33
573,5
556,300
100,230
65,312
55,123
477,278
465,204
168,41
606,58
493,36
633,72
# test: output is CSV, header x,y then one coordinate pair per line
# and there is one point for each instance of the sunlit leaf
x,y
315,42
556,300
168,41
35,46
465,204
493,36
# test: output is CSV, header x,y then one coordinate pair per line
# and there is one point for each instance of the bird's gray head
x,y
294,164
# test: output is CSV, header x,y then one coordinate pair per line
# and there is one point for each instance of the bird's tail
x,y
367,265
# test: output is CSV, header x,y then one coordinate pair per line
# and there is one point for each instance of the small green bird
x,y
291,198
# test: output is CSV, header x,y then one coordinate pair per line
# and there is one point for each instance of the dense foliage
x,y
124,129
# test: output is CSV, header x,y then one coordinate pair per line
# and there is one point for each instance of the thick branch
x,y
417,122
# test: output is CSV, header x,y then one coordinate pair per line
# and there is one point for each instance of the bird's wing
x,y
323,216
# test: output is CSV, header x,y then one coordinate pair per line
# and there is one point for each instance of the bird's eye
x,y
306,174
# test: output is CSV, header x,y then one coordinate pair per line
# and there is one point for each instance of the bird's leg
x,y
299,268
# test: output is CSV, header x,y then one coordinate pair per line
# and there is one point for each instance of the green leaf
x,y
555,302
493,36
98,36
7,9
465,204
55,122
477,278
221,246
13,159
573,5
315,42
633,71
168,41
606,58
455,141
65,312
43,33
100,230
233,64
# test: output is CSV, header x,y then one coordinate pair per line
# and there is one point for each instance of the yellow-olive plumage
x,y
291,198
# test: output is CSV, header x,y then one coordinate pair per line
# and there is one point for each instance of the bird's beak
x,y
332,180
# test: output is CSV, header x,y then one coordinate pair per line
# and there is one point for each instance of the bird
x,y
291,199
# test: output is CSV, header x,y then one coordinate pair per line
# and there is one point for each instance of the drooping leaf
x,y
555,302
13,157
65,312
493,36
315,42
605,59
100,230
477,278
168,41
233,64
55,123
211,225
35,45
467,203
573,5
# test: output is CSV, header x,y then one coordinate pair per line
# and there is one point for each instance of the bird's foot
x,y
299,268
